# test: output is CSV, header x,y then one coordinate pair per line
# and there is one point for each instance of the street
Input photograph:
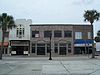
x,y
72,65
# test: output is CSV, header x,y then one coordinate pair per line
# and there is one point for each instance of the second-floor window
x,y
20,31
47,34
89,35
35,34
67,33
78,35
57,33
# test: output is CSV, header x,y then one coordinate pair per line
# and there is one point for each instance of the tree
x,y
98,33
97,38
91,16
6,23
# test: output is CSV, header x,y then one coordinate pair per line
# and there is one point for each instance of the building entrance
x,y
82,50
62,49
19,47
19,50
40,49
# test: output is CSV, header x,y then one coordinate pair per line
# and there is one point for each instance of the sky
x,y
51,11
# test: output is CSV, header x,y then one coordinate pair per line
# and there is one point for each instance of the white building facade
x,y
19,37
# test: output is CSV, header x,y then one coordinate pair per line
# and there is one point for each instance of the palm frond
x,y
91,16
11,24
6,21
4,15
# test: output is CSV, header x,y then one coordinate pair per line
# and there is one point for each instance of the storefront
x,y
19,47
44,48
62,48
40,49
83,46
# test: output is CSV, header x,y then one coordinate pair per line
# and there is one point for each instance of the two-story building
x,y
64,39
19,37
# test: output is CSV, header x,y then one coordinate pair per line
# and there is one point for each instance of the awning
x,y
81,41
5,44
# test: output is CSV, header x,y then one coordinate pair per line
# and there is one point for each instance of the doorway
x,y
40,50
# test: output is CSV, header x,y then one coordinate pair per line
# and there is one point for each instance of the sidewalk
x,y
60,58
77,65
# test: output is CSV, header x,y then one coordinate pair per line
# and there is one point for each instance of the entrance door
x,y
82,50
19,51
40,50
62,50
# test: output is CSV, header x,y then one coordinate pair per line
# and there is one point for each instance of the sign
x,y
36,35
25,52
13,52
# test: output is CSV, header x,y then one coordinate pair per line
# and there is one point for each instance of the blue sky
x,y
50,11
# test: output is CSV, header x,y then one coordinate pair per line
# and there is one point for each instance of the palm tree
x,y
6,23
98,33
97,38
91,16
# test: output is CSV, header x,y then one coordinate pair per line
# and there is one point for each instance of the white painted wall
x,y
26,23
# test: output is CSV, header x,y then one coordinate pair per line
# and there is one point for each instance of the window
x,y
69,47
23,31
40,45
47,33
78,35
35,33
20,31
89,35
57,34
62,49
67,33
17,32
62,44
40,49
33,48
56,48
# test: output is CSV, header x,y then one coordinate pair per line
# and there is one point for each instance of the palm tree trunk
x,y
2,45
93,50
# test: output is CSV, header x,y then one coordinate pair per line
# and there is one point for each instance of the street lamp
x,y
50,47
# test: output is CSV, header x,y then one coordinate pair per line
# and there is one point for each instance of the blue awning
x,y
81,41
